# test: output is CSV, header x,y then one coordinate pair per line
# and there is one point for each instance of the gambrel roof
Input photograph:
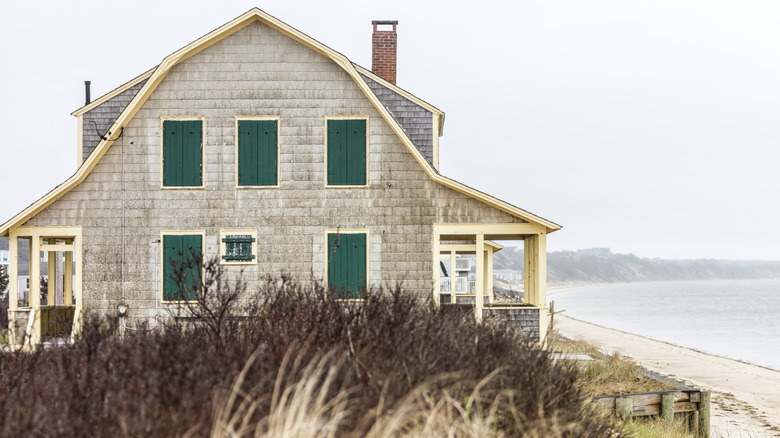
x,y
389,100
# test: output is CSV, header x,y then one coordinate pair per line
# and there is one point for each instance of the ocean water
x,y
737,319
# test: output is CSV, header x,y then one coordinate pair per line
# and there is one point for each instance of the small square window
x,y
238,247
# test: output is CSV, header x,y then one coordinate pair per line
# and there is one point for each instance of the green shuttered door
x,y
347,264
347,152
257,152
182,153
180,250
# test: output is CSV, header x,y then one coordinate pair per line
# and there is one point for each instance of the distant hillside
x,y
602,266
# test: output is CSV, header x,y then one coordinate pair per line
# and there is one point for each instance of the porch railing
x,y
462,285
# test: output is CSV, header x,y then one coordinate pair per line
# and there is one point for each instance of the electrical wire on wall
x,y
123,317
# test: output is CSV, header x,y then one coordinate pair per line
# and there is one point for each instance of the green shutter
x,y
347,271
238,248
182,153
257,153
347,152
179,250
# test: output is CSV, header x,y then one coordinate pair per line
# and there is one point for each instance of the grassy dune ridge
x,y
296,362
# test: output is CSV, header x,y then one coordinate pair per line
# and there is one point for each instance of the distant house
x,y
264,148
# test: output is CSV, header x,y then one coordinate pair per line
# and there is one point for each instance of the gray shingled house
x,y
266,149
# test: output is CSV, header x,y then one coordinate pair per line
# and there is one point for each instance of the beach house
x,y
265,149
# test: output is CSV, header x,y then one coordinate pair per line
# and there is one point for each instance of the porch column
x,y
535,281
541,282
35,289
541,245
68,286
453,256
480,281
13,277
436,259
51,276
489,276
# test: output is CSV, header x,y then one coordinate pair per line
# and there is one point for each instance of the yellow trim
x,y
439,119
368,150
368,254
234,232
113,93
467,248
278,151
435,128
163,233
490,229
79,140
202,119
213,37
13,274
36,234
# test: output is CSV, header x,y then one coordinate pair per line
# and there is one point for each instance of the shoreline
x,y
557,288
746,397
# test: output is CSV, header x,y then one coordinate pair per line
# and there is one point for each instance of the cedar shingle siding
x,y
415,120
258,71
97,120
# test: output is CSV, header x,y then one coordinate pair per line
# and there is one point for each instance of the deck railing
x,y
462,285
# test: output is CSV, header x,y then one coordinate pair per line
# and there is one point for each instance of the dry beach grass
x,y
297,362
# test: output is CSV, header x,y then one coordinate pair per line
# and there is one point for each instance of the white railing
x,y
462,285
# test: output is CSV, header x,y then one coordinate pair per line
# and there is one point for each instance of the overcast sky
x,y
648,127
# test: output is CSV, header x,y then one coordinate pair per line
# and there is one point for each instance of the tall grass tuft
x,y
295,361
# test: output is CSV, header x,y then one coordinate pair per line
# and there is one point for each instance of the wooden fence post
x,y
704,414
624,407
552,318
667,407
693,423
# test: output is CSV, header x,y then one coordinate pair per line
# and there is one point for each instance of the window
x,y
346,157
182,153
258,152
347,264
238,247
182,257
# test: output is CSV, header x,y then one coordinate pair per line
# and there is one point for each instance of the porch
x,y
451,240
45,277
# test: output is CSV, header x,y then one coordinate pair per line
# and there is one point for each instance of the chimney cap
x,y
393,22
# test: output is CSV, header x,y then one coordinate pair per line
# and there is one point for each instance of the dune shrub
x,y
296,361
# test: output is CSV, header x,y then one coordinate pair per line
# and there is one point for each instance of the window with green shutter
x,y
182,153
347,260
347,152
182,266
258,153
238,248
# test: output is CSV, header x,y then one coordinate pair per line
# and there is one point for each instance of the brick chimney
x,y
384,44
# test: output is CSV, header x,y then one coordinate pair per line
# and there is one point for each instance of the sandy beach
x,y
745,397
